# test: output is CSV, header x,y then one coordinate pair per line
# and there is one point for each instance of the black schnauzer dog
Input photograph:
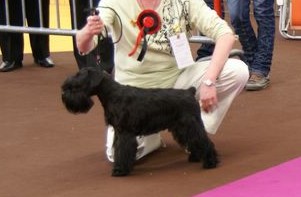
x,y
136,111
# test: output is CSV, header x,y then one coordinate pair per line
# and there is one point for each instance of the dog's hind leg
x,y
209,153
125,147
193,137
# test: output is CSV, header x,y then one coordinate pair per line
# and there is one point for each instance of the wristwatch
x,y
208,83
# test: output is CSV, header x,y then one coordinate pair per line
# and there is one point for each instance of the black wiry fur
x,y
135,111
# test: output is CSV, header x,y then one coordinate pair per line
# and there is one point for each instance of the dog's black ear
x,y
96,75
75,94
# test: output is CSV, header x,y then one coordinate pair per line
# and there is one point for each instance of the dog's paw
x,y
194,158
211,163
120,172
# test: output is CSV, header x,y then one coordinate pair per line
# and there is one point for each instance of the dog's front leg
x,y
125,147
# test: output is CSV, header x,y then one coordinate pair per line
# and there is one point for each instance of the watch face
x,y
208,82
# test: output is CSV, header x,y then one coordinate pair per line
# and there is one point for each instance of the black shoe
x,y
46,62
7,66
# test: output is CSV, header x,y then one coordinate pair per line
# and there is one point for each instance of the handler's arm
x,y
84,37
208,95
220,55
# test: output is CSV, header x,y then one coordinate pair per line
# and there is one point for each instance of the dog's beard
x,y
76,102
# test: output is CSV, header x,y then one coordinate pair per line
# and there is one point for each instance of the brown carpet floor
x,y
47,152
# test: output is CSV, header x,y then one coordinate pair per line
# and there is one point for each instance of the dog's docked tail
x,y
192,90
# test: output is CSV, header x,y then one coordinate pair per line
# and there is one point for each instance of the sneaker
x,y
257,82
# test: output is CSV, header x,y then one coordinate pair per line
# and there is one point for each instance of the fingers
x,y
93,19
208,105
95,24
208,98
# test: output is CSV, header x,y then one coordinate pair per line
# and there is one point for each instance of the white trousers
x,y
229,84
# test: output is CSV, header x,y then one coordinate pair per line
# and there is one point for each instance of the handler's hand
x,y
208,98
94,25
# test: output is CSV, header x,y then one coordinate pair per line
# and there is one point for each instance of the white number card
x,y
181,50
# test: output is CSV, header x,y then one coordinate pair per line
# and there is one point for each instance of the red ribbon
x,y
148,22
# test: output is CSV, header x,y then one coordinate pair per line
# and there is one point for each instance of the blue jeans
x,y
258,47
